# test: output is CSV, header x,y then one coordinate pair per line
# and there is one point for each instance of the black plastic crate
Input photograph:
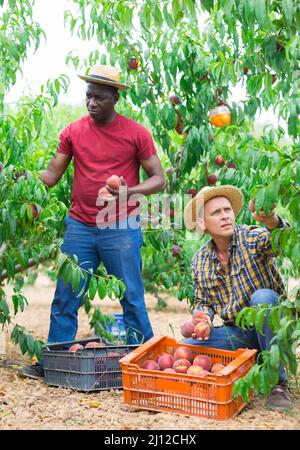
x,y
88,369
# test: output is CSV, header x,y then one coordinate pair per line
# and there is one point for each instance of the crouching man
x,y
235,269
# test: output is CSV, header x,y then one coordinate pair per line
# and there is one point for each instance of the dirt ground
x,y
29,404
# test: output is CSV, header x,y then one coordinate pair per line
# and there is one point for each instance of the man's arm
x,y
55,170
156,180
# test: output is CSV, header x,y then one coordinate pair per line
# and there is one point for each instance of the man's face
x,y
219,218
100,101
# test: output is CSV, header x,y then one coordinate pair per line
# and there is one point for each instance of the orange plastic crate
x,y
209,397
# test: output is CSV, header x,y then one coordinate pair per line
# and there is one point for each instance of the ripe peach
x,y
75,347
105,194
219,161
192,192
199,316
202,330
34,210
176,250
183,352
169,370
202,361
181,365
212,179
133,63
166,362
216,368
113,182
94,344
195,370
187,329
115,354
175,100
150,365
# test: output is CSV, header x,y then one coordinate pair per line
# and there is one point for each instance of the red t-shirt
x,y
100,151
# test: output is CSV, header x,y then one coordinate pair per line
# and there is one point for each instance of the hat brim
x,y
120,86
191,211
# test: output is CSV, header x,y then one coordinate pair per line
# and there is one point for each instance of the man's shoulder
x,y
77,124
132,124
250,232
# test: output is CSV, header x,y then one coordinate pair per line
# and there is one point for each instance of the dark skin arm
x,y
55,170
155,182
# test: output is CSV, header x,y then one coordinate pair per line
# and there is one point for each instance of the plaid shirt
x,y
250,267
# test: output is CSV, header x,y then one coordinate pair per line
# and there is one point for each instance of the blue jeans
x,y
119,250
231,337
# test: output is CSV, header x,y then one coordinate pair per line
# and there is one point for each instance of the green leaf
x,y
261,12
30,345
92,288
274,357
259,320
288,11
102,288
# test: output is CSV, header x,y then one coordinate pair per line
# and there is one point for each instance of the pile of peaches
x,y
197,328
183,361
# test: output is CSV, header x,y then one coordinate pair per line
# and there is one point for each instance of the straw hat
x,y
191,211
107,75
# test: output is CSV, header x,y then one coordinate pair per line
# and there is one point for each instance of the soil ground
x,y
27,404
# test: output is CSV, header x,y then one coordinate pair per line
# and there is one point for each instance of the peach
x,y
181,365
115,354
199,316
216,368
202,361
169,370
94,344
150,365
194,370
105,194
113,182
75,347
159,355
183,352
166,362
187,329
202,330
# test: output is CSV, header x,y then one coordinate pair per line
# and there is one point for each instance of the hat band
x,y
102,78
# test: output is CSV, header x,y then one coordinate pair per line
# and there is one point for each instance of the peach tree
x,y
182,59
31,215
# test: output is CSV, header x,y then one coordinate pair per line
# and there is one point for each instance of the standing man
x,y
235,269
103,143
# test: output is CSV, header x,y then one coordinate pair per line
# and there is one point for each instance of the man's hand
x,y
200,317
271,220
116,192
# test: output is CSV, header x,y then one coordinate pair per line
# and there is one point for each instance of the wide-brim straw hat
x,y
191,211
102,74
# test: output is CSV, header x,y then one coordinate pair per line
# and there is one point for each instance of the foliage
x,y
200,51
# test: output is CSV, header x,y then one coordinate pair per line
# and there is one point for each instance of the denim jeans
x,y
119,250
231,337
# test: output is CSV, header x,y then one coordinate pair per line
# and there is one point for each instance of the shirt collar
x,y
211,249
